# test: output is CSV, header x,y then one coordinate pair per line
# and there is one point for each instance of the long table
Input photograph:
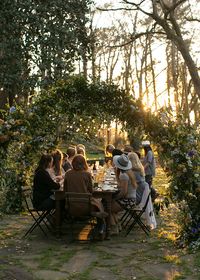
x,y
106,195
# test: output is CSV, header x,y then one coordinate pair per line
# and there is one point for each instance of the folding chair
x,y
78,206
134,215
127,204
39,216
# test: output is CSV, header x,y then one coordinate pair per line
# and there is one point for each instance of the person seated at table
x,y
65,159
128,149
80,148
110,149
81,151
44,185
139,173
79,180
143,189
57,172
71,152
127,188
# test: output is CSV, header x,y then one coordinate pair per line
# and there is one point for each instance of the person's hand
x,y
58,178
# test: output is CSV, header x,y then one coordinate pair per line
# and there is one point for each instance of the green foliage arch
x,y
78,106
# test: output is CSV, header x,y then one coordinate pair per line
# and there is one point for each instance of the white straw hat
x,y
122,162
146,143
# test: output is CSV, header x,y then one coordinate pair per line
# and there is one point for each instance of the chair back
x,y
78,204
27,198
147,201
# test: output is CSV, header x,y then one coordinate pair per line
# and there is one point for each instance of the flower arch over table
x,y
78,106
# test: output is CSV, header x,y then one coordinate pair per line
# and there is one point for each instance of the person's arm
x,y
90,183
123,187
149,158
65,185
48,181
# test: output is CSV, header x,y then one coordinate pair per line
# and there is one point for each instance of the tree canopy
x,y
39,43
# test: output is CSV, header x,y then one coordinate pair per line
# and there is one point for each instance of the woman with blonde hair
x,y
139,173
136,163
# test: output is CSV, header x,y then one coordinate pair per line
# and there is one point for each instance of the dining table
x,y
106,195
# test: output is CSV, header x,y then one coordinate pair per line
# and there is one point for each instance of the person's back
x,y
131,190
78,181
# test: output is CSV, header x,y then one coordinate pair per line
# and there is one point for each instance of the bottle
x,y
94,167
94,171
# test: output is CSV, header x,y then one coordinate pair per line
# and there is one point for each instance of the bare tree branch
x,y
172,8
178,3
138,6
115,9
192,19
137,36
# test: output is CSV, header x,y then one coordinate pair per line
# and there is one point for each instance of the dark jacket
x,y
42,187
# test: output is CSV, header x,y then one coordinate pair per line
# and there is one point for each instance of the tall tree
x,y
39,43
164,14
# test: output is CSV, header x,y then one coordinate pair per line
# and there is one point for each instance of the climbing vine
x,y
77,107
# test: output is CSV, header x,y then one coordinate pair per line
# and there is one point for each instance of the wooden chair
x,y
39,216
78,207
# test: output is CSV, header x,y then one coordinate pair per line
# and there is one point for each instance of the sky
x,y
106,20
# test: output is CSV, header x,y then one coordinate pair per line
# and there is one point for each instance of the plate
x,y
109,188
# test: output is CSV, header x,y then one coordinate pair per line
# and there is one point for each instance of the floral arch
x,y
75,103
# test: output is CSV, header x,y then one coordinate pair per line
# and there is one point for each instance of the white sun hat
x,y
145,143
122,162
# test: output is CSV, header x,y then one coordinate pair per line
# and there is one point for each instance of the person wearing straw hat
x,y
126,185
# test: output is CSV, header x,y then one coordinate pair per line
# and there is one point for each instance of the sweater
x,y
43,187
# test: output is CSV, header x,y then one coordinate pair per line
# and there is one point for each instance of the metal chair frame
x,y
39,216
133,214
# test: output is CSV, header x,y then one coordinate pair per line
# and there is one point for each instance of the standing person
x,y
43,185
149,167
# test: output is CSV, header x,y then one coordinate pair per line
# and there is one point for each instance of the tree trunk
x,y
153,76
174,34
